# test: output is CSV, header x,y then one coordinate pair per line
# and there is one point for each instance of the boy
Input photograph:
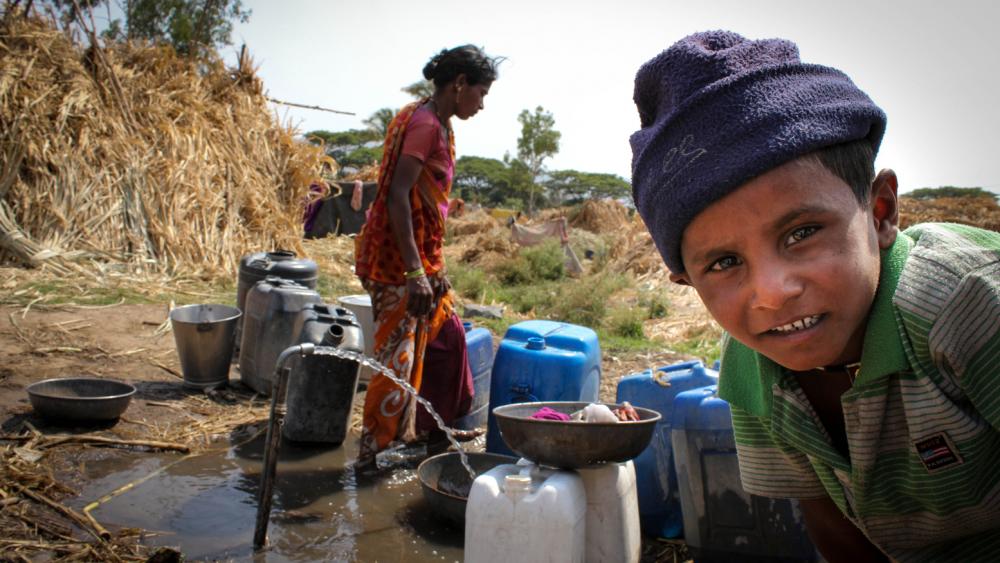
x,y
861,363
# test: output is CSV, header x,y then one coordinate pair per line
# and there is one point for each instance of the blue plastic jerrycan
x,y
722,522
542,361
479,343
656,479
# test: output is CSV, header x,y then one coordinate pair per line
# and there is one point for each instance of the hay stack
x,y
982,212
600,216
471,223
132,155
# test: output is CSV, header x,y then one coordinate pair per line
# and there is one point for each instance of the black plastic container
x,y
321,388
259,265
272,308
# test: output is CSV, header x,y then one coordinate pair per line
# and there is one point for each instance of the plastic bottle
x,y
525,513
613,534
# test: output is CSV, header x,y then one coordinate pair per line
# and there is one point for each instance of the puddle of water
x,y
206,506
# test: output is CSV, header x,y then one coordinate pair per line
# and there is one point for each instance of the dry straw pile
x,y
982,212
130,156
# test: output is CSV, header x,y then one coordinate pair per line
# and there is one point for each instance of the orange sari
x,y
400,339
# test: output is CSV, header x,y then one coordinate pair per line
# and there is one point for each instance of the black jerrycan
x,y
321,387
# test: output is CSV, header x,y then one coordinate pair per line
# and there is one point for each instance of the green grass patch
x,y
703,344
467,281
626,322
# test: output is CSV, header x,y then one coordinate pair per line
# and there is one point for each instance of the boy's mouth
x,y
795,326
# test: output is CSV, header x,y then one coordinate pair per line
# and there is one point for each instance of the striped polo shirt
x,y
922,418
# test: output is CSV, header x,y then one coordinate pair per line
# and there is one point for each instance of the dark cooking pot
x,y
573,444
80,398
446,483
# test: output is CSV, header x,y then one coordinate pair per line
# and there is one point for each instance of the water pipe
x,y
273,440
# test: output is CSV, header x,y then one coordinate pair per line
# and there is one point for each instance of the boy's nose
x,y
773,287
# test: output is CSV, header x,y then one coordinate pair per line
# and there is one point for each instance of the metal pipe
x,y
273,439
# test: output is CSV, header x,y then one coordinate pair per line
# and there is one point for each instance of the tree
x,y
193,27
359,157
353,148
380,120
420,89
334,139
949,191
482,180
522,184
571,186
539,140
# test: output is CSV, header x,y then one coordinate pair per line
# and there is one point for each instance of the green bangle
x,y
418,273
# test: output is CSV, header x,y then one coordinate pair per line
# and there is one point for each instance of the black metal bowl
x,y
573,444
80,398
446,483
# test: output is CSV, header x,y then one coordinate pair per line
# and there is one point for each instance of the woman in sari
x,y
398,256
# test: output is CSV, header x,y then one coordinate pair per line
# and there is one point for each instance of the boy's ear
x,y
680,279
885,207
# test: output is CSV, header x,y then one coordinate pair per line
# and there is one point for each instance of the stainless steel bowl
x,y
446,483
573,444
80,398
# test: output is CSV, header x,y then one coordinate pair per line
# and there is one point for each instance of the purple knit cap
x,y
718,110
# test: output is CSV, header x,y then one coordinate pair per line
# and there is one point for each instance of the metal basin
x,y
573,444
80,398
446,483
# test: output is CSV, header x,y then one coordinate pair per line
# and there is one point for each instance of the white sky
x,y
933,66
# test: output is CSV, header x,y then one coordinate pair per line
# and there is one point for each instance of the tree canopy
x,y
420,89
193,27
380,120
571,186
949,191
539,140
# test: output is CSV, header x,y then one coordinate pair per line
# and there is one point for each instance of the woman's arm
x,y
837,538
418,290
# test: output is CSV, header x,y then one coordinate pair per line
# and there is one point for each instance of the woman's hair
x,y
469,60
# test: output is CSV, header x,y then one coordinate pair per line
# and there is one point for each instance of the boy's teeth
x,y
797,325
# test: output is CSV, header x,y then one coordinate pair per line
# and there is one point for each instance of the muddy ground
x,y
133,343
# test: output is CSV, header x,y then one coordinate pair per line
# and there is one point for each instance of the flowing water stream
x,y
368,362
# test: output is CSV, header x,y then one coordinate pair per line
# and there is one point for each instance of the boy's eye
x,y
801,233
723,264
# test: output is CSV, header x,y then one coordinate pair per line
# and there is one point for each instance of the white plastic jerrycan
x,y
613,534
527,514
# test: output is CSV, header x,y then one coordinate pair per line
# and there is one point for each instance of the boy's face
x,y
788,263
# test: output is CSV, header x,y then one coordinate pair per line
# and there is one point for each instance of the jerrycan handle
x,y
522,393
662,375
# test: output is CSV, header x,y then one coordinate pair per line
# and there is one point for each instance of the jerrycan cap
x,y
536,343
517,484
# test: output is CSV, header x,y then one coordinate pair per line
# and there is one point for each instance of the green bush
x,y
585,301
655,305
626,322
546,261
513,271
467,282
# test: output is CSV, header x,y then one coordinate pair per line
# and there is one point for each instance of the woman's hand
x,y
419,296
